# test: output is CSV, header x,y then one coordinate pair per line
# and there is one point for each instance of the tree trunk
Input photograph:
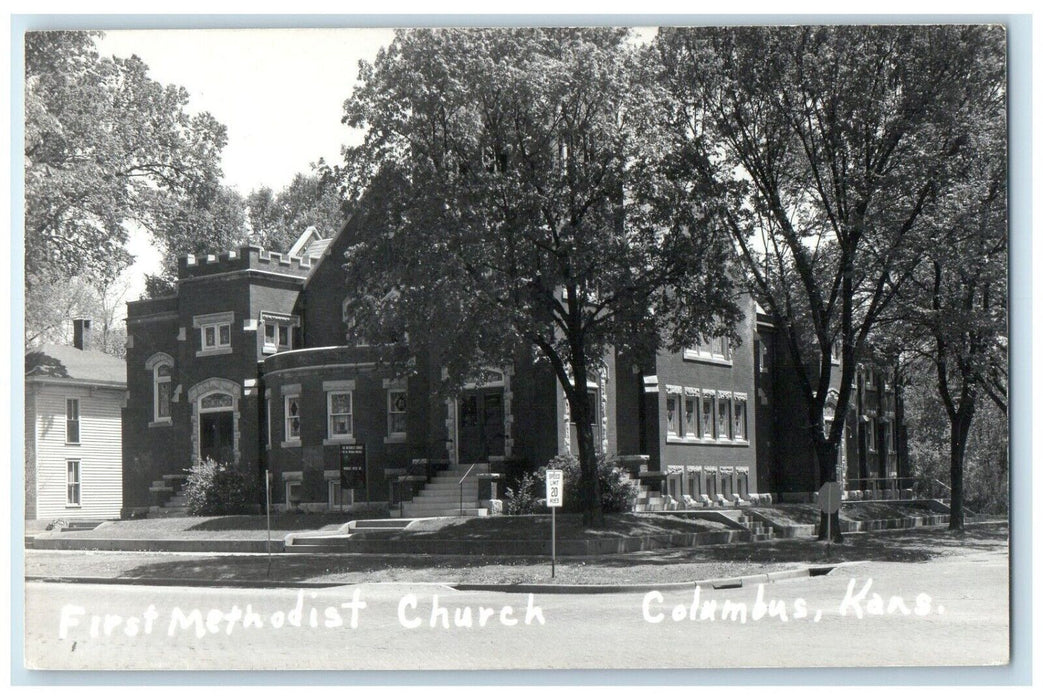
x,y
826,456
580,410
959,429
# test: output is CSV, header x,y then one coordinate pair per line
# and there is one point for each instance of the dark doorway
x,y
216,436
481,425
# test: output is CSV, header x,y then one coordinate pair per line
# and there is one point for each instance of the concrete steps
x,y
169,492
760,531
442,495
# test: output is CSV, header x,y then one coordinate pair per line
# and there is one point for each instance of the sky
x,y
279,92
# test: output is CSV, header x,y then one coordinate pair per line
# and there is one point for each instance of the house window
x,y
871,435
72,421
836,352
396,413
338,409
293,493
72,482
691,413
334,497
739,418
673,412
278,333
216,336
707,415
724,410
293,418
161,393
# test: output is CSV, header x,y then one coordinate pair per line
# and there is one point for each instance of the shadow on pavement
x,y
904,546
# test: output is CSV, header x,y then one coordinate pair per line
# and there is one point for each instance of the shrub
x,y
618,493
525,497
219,489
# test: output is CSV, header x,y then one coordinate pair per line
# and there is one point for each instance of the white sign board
x,y
555,486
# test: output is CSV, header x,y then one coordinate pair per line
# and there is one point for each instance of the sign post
x,y
555,486
829,497
268,515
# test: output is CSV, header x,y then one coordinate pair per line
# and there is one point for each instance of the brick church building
x,y
247,363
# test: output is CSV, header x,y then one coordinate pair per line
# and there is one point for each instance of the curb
x,y
547,588
187,582
716,583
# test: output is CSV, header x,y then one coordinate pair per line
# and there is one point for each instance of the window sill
x,y
340,440
290,443
673,440
72,444
161,423
74,506
692,357
214,351
396,439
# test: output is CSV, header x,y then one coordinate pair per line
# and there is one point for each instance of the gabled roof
x,y
310,244
68,364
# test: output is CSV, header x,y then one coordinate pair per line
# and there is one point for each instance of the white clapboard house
x,y
73,431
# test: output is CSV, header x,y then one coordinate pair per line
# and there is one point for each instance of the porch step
x,y
443,493
413,511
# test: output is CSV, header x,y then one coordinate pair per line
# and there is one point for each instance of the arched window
x,y
161,366
161,393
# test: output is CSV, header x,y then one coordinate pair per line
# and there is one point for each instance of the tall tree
x,y
209,217
49,312
277,220
835,146
504,171
956,306
106,147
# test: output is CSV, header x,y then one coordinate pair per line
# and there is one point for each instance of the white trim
x,y
340,440
287,438
220,318
312,368
350,434
157,359
79,483
397,435
339,385
79,423
209,353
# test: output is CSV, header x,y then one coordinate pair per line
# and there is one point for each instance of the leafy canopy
x,y
106,147
501,180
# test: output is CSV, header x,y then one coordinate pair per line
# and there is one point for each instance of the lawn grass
x,y
654,567
569,527
808,513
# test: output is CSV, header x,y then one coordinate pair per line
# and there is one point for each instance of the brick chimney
x,y
81,333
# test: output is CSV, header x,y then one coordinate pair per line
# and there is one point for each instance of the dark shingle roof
x,y
65,362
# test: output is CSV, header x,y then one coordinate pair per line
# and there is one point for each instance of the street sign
x,y
829,497
353,466
555,487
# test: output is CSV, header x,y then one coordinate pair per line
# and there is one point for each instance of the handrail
x,y
942,483
461,485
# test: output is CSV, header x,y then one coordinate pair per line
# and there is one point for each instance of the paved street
x,y
957,614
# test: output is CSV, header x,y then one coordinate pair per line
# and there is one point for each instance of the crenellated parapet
x,y
248,257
